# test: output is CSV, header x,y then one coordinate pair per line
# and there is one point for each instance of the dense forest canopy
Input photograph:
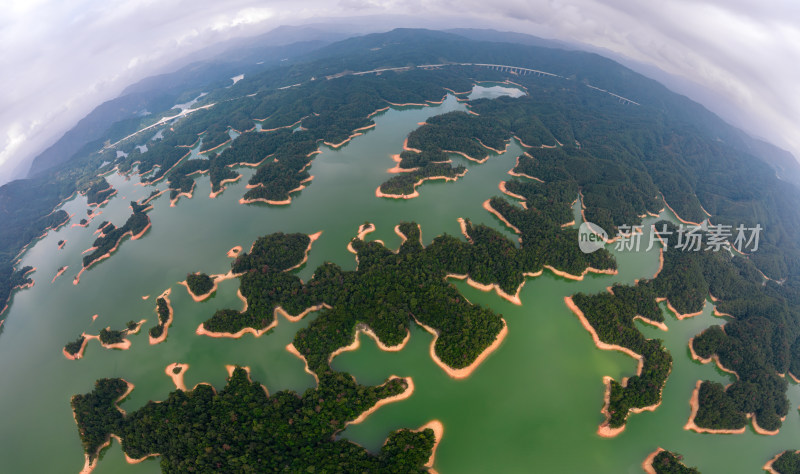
x,y
243,429
625,161
621,157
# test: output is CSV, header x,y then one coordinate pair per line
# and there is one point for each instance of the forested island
x,y
199,283
258,432
662,461
413,280
158,333
99,193
109,338
111,236
684,282
626,161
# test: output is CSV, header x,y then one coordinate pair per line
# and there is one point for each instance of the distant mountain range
x,y
214,66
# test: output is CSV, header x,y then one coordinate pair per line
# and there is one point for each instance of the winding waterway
x,y
533,405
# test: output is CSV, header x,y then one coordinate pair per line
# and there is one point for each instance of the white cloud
x,y
64,58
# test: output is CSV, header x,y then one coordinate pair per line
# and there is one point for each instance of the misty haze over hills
x,y
216,65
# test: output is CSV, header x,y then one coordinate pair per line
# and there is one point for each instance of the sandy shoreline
x,y
465,371
599,343
499,152
215,278
488,207
363,230
678,315
124,345
213,194
284,202
397,169
343,142
695,404
202,331
657,324
408,148
604,429
231,368
502,187
79,354
377,111
462,224
177,379
385,401
59,273
515,299
312,238
362,328
470,158
89,466
357,132
293,319
403,236
106,255
664,200
516,174
235,251
438,432
163,336
768,466
647,464
293,350
381,194
174,201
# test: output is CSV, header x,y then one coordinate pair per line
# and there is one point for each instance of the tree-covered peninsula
x,y
787,462
684,282
412,281
111,236
243,429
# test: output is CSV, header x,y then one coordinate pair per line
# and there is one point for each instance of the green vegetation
x,y
111,336
277,252
111,236
99,192
622,159
164,313
717,410
264,283
611,315
97,411
199,283
405,183
411,281
756,345
667,462
787,463
74,347
242,429
450,132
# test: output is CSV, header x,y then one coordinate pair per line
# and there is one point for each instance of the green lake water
x,y
532,406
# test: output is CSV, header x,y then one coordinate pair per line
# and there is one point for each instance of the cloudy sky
x,y
60,59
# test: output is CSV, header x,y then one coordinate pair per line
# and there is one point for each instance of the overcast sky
x,y
60,59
